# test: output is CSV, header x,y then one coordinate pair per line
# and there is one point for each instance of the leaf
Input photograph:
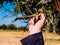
x,y
38,3
24,0
17,9
28,10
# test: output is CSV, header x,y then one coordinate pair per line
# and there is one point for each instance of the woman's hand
x,y
36,23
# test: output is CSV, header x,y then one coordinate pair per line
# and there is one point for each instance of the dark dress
x,y
34,39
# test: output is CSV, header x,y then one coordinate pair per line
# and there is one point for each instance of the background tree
x,y
11,27
30,8
0,27
24,28
3,26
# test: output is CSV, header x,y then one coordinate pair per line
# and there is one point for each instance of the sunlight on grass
x,y
14,37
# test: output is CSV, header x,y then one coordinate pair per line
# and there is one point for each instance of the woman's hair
x,y
56,4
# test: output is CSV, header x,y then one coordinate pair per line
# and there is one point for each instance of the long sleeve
x,y
34,39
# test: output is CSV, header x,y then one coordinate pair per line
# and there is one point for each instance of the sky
x,y
6,16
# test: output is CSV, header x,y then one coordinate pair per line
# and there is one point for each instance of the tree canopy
x,y
30,8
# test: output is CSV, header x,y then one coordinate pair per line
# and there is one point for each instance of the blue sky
x,y
6,16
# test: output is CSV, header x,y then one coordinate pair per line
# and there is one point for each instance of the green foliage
x,y
11,26
0,27
4,26
28,7
24,28
23,0
16,10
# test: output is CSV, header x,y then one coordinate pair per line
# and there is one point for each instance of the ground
x,y
14,37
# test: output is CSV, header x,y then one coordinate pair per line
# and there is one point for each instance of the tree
x,y
58,26
0,27
24,28
30,8
11,27
4,26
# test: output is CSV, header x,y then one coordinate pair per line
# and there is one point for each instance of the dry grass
x,y
13,38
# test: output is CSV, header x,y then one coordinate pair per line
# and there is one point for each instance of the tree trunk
x,y
55,24
48,26
54,29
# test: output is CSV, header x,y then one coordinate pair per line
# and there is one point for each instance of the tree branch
x,y
24,17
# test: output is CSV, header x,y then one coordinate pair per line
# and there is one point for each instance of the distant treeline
x,y
13,27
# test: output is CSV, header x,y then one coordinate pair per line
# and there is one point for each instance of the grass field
x,y
14,37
